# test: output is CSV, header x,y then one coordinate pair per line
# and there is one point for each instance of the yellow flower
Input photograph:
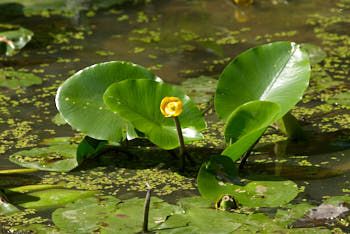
x,y
244,2
171,106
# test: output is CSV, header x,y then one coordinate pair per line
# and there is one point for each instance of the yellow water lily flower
x,y
244,2
171,106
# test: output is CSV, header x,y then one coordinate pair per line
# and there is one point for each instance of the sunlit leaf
x,y
138,101
80,99
277,72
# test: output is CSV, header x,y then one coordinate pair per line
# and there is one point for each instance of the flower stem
x,y
181,141
146,209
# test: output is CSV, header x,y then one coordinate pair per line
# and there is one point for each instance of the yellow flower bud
x,y
171,106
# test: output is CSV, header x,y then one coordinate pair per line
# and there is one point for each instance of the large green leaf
x,y
246,124
278,72
80,99
212,182
49,198
61,157
138,101
14,40
110,215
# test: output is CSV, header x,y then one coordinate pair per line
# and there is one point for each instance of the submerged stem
x,y
181,141
146,209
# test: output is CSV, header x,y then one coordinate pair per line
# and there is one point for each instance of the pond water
x,y
179,40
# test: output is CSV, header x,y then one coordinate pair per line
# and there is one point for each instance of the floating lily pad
x,y
110,215
37,228
14,40
200,89
274,191
341,99
316,54
13,79
80,99
61,157
49,198
277,72
291,213
138,101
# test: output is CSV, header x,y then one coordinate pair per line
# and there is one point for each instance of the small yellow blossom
x,y
171,106
244,2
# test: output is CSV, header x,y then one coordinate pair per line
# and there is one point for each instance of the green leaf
x,y
277,72
340,99
246,124
200,89
291,213
13,79
88,147
37,229
316,54
14,40
61,157
6,207
110,215
46,199
138,101
290,126
80,99
273,191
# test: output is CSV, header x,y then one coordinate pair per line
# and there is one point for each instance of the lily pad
x,y
49,198
110,215
277,72
80,99
14,40
14,79
138,101
291,213
316,54
37,229
200,89
340,99
273,192
61,157
246,124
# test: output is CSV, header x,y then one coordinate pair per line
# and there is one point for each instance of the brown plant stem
x,y
181,141
146,209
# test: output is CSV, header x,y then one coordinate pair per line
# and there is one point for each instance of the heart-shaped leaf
x,y
212,182
138,101
80,99
46,199
60,157
277,72
110,215
246,124
14,79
